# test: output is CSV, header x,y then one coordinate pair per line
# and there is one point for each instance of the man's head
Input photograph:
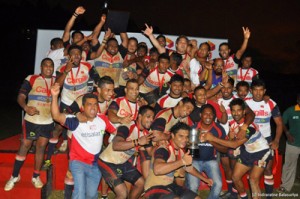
x,y
105,88
142,50
258,89
224,50
75,54
132,90
242,89
182,44
228,89
218,66
86,46
163,62
132,45
47,67
146,116
153,54
246,61
207,114
112,46
176,85
185,107
90,105
161,40
200,95
204,50
180,135
77,36
237,108
157,129
56,43
187,85
175,60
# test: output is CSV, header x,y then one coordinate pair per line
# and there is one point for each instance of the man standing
x,y
291,117
38,123
87,138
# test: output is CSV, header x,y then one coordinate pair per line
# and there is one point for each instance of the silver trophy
x,y
193,143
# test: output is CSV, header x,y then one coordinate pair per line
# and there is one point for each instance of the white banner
x,y
44,37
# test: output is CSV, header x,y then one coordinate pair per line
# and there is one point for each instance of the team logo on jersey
x,y
32,134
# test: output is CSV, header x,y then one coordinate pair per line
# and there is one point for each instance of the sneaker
x,y
63,146
282,190
46,165
37,183
11,183
226,195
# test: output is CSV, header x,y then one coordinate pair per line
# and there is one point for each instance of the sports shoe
x,y
63,146
226,195
37,183
282,190
11,183
46,165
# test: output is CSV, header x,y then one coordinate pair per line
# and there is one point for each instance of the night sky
x,y
274,42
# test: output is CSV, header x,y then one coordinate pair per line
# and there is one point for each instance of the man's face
x,y
173,63
162,42
258,93
203,51
132,91
90,108
224,51
242,92
247,62
77,37
207,116
147,119
58,45
218,66
154,57
75,55
181,46
185,109
47,68
176,88
141,52
237,112
200,97
86,46
187,86
112,47
227,91
163,65
132,46
181,138
106,91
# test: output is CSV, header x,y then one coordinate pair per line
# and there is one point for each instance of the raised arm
x,y
56,114
149,32
61,77
66,35
124,39
227,143
241,51
97,29
100,50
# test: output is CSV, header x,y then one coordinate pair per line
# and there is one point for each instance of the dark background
x,y
274,42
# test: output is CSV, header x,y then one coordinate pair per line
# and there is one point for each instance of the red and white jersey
x,y
263,114
246,75
128,133
168,115
75,83
37,89
231,66
225,103
87,137
167,101
195,70
155,80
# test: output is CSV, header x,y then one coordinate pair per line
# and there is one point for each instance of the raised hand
x,y
145,139
70,64
148,31
55,89
31,110
108,34
103,18
246,32
80,10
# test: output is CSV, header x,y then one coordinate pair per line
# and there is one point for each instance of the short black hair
x,y
161,36
55,41
74,46
142,46
200,87
153,50
205,43
47,59
176,78
105,80
134,39
186,100
177,58
182,37
132,81
224,44
179,126
237,101
164,56
257,83
242,83
112,39
231,81
145,108
75,32
88,96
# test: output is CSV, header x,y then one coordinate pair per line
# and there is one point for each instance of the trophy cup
x,y
194,140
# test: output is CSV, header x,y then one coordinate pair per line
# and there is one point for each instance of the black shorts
x,y
33,131
168,192
63,108
259,159
115,174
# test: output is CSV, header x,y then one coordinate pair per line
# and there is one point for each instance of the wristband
x,y
220,83
75,14
65,72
